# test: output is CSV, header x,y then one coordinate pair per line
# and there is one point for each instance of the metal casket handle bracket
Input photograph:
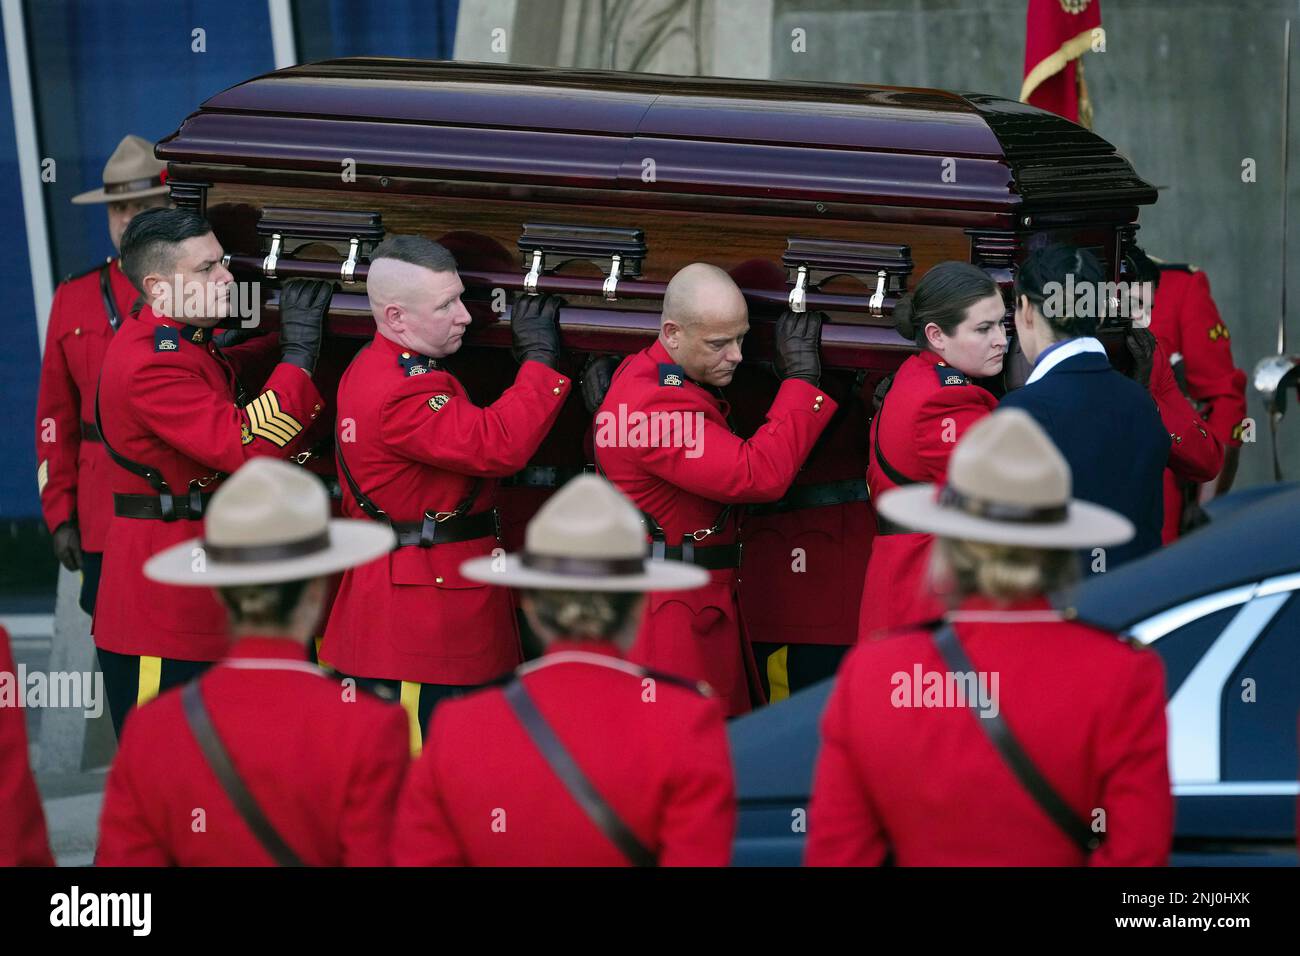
x,y
610,286
798,295
347,271
877,303
534,273
272,257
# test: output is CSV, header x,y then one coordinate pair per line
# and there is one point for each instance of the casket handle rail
x,y
547,247
360,231
810,263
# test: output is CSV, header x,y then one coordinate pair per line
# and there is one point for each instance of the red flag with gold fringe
x,y
1057,34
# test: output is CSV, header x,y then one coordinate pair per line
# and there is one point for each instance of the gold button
x,y
817,408
555,391
77,330
561,381
818,398
437,580
406,355
315,408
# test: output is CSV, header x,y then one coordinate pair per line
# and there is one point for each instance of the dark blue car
x,y
1222,608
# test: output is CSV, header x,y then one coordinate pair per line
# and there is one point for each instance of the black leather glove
x,y
229,338
798,345
1141,345
303,303
67,545
596,376
535,328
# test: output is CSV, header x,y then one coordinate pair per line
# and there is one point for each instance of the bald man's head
x,y
414,293
704,323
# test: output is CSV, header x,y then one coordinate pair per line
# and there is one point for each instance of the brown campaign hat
x,y
130,173
587,537
1007,484
269,522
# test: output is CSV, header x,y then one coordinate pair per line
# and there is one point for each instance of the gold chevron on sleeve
x,y
267,420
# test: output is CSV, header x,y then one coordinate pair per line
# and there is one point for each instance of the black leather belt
x,y
886,527
713,557
823,495
90,432
542,476
164,507
429,532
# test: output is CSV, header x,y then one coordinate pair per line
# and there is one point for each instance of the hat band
x,y
259,553
950,497
133,185
582,567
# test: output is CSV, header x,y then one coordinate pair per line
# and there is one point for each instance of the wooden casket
x,y
599,186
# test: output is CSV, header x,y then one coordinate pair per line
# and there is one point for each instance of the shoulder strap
x,y
1060,812
214,752
894,475
106,290
151,475
367,504
562,764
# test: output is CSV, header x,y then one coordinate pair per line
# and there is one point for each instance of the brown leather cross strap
x,y
584,793
218,759
1013,754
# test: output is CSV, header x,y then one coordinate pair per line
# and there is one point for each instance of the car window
x,y
1181,649
1259,718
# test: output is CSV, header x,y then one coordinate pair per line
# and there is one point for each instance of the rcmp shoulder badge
x,y
166,339
437,401
672,375
950,376
413,363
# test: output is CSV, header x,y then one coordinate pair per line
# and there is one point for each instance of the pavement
x,y
71,798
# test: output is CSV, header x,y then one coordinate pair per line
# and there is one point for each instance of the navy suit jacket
x,y
1109,430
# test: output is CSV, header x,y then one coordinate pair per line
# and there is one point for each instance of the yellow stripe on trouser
x,y
778,675
411,703
150,677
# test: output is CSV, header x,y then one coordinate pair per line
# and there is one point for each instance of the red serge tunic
x,y
898,775
653,746
928,409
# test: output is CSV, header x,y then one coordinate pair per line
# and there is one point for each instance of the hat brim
x,y
351,543
99,196
1086,525
658,576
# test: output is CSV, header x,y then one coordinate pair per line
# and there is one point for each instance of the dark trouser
x,y
418,700
130,679
786,669
92,562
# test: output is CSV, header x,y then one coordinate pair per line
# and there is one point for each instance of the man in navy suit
x,y
1105,424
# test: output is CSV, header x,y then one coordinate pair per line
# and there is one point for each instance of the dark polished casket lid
x,y
487,123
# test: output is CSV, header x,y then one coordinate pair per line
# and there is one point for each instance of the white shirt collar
x,y
1066,350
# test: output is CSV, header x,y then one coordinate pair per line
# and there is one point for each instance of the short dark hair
x,y
942,296
1055,265
416,250
149,242
1140,267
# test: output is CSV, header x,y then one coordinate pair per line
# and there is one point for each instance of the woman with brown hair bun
x,y
955,317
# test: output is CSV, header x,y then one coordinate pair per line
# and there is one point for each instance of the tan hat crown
x,y
589,519
131,172
267,502
1007,458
